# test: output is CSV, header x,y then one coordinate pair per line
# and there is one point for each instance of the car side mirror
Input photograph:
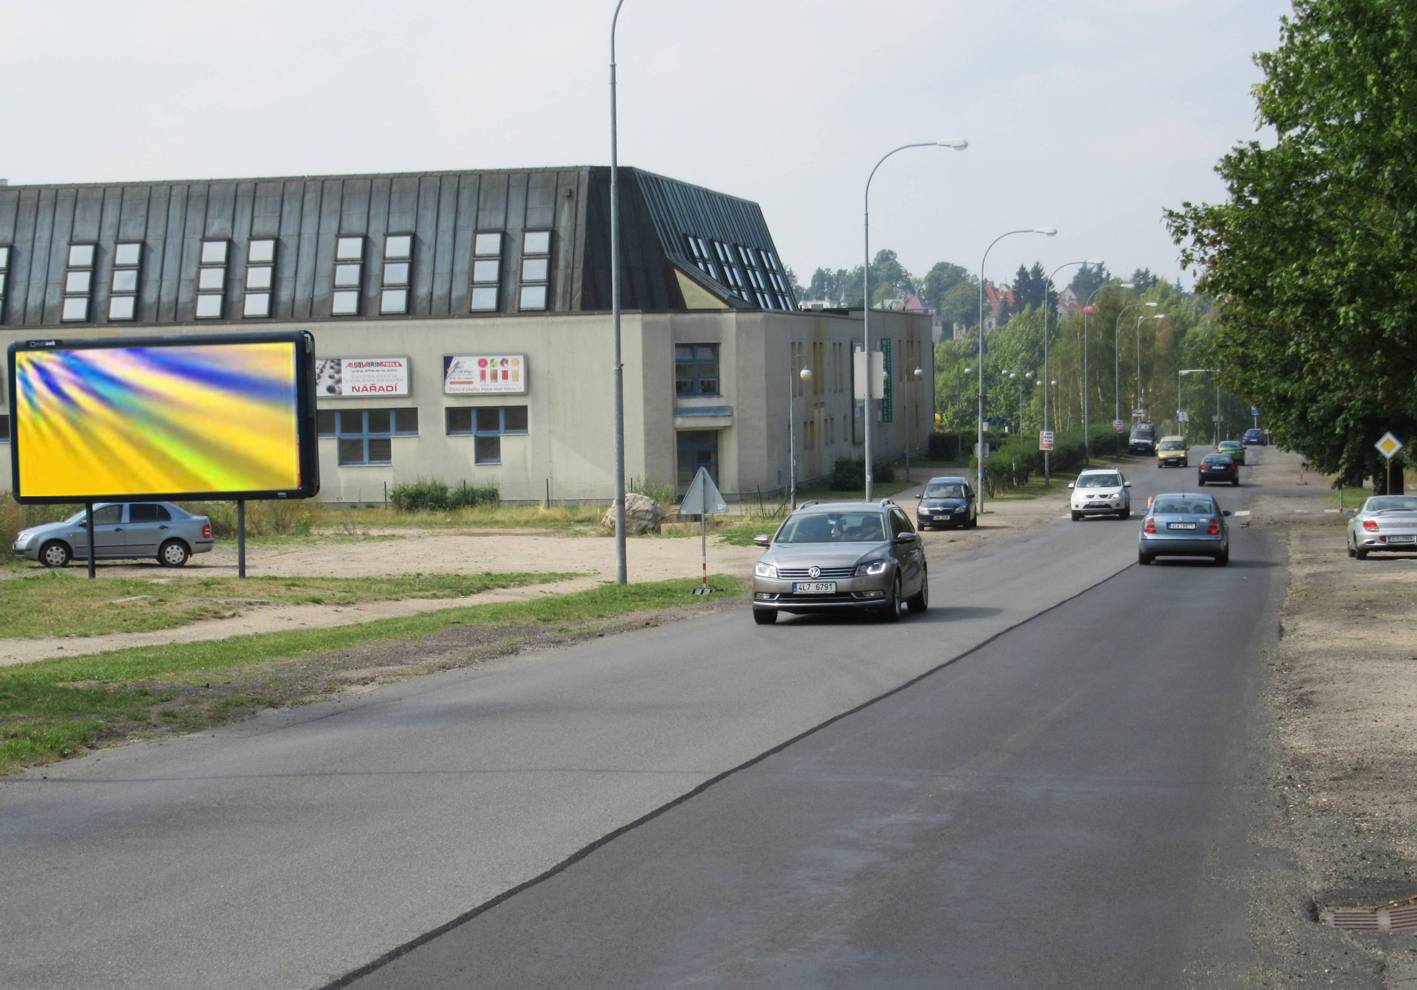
x,y
1126,484
762,540
906,537
918,495
1070,484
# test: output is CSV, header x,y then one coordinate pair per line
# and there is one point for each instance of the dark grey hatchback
x,y
841,555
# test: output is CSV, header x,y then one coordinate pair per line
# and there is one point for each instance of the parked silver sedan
x,y
162,530
1385,523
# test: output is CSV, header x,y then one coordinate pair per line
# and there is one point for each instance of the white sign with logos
x,y
1045,439
484,374
361,377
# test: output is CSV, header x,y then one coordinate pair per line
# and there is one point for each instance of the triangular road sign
x,y
702,498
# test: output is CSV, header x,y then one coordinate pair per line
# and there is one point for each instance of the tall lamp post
x,y
1087,436
1047,472
1018,378
1117,366
1202,371
806,376
1136,392
957,145
618,370
979,447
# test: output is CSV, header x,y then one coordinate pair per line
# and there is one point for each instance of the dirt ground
x,y
649,558
1344,696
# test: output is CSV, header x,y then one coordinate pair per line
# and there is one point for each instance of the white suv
x,y
1101,492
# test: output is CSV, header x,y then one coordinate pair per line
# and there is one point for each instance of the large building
x,y
462,321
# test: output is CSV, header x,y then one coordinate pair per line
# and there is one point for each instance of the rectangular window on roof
x,y
261,251
346,276
486,271
211,281
123,299
349,276
260,278
349,249
536,265
214,252
78,283
487,244
75,308
393,296
344,303
81,255
398,246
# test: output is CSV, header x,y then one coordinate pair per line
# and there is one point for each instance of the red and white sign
x,y
360,378
484,374
1045,439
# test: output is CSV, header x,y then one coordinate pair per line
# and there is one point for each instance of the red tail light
x,y
206,531
1150,526
1371,525
1214,526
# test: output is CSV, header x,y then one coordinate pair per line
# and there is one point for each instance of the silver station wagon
x,y
842,555
160,530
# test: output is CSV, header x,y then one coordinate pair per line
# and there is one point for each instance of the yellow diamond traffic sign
x,y
1388,445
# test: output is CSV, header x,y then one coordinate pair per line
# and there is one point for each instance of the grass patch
x,y
55,709
570,519
66,603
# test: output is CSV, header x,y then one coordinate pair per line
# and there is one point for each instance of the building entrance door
x,y
696,449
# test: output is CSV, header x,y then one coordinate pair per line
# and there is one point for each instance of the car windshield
x,y
1099,481
944,489
1229,444
1174,506
834,527
1393,503
1173,445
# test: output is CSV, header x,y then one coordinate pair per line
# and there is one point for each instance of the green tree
x,y
1087,280
1314,257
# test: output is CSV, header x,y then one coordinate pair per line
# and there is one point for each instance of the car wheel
x,y
1223,557
764,616
1200,482
54,554
1126,513
890,612
920,601
974,521
1360,553
1077,516
1348,545
1235,483
173,553
1144,558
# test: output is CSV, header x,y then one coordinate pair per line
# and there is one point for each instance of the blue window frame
x,y
365,436
696,369
487,425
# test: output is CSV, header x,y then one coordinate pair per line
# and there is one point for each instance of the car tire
x,y
1223,558
764,616
1125,513
1360,553
1235,483
890,612
1144,559
974,521
55,554
173,553
1077,516
1348,545
1200,482
920,601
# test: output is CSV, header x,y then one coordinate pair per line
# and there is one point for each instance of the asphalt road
x,y
298,847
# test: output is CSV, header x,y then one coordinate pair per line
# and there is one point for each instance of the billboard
x,y
202,417
484,374
348,378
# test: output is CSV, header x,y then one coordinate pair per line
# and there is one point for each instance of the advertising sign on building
x,y
484,374
360,377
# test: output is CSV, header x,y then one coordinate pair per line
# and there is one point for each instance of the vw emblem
x,y
814,571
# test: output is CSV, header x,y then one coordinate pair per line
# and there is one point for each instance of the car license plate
x,y
1402,539
814,588
1182,526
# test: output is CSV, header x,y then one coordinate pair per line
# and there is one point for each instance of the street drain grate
x,y
1396,916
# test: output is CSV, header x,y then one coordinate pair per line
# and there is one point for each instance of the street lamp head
x,y
1028,374
958,144
805,374
1159,316
1126,285
1046,231
919,372
1153,305
1095,262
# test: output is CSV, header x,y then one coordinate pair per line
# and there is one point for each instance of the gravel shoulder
x,y
1344,697
466,552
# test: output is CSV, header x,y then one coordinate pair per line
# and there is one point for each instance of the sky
x,y
1089,115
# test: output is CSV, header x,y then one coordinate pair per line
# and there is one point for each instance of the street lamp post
x,y
1086,436
1047,472
1117,366
957,145
617,371
806,376
979,446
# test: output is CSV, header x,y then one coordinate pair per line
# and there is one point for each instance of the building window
x,y
487,425
776,283
700,250
398,265
349,276
78,283
4,277
756,283
536,268
486,270
211,280
696,369
731,276
365,436
260,278
123,299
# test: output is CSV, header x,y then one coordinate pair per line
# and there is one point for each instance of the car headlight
x,y
872,568
764,570
959,509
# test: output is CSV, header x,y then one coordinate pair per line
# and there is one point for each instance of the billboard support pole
x,y
88,519
241,537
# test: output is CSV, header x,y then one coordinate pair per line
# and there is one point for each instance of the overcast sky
x,y
1085,114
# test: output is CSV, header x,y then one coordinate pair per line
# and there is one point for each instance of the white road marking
x,y
1241,512
1331,510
